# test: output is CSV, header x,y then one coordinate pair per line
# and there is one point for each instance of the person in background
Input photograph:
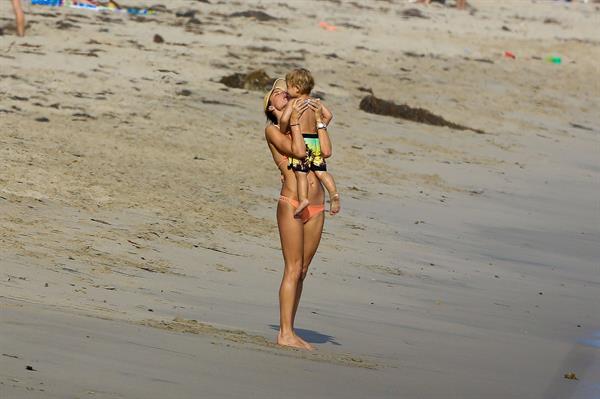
x,y
460,4
19,17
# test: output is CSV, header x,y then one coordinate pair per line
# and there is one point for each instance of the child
x,y
299,84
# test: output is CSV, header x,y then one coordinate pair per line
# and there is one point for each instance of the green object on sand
x,y
554,59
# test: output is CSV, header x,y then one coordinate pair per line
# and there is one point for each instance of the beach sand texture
x,y
139,254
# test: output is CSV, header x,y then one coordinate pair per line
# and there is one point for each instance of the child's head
x,y
299,82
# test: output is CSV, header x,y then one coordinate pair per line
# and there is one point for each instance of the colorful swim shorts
x,y
314,158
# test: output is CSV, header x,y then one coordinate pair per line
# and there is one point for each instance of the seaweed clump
x,y
257,15
374,105
255,80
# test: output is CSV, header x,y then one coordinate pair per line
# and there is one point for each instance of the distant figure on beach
x,y
300,83
300,237
19,17
460,4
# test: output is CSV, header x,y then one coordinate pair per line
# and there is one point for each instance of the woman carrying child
x,y
300,236
313,126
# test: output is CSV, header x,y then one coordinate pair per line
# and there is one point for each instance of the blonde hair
x,y
302,79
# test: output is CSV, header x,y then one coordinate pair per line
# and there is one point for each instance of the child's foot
x,y
301,206
334,202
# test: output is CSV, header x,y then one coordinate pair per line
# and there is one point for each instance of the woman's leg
x,y
19,17
312,237
292,243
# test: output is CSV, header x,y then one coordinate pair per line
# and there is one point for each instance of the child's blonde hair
x,y
302,79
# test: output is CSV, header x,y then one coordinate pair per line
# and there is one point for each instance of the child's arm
x,y
284,121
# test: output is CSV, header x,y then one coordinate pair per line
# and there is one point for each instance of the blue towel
x,y
53,3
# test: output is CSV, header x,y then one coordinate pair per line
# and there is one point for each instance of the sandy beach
x,y
139,252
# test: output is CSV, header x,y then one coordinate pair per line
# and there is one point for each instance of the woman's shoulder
x,y
270,126
272,132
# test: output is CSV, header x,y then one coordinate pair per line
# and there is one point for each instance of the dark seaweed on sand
x,y
63,25
257,15
256,80
374,105
188,13
413,13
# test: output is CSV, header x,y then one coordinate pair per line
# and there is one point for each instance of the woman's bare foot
x,y
307,346
334,202
291,340
301,206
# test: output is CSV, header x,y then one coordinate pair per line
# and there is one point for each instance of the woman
x,y
300,237
19,17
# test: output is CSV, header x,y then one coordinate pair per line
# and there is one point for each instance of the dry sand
x,y
139,256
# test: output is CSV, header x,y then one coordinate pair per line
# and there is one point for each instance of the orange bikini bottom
x,y
308,212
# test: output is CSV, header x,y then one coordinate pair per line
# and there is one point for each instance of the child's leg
x,y
302,183
334,196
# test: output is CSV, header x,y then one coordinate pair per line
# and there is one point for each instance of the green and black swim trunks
x,y
314,158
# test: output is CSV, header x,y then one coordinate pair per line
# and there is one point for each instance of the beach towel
x,y
93,5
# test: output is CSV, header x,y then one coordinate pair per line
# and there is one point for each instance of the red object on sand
x,y
509,54
327,27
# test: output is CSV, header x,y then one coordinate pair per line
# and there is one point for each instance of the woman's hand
x,y
322,114
315,105
297,110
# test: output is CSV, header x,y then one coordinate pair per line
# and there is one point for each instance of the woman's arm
x,y
326,114
324,140
284,121
298,145
295,147
283,144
